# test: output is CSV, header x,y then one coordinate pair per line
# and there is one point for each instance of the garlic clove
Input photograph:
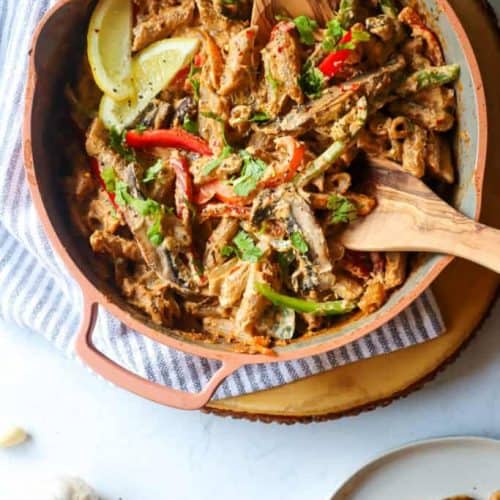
x,y
12,436
65,488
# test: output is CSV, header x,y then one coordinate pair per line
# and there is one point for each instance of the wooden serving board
x,y
378,381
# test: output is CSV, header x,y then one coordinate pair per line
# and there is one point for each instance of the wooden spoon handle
x,y
470,240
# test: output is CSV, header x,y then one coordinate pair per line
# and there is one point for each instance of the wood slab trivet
x,y
367,384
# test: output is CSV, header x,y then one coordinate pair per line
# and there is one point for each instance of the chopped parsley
x,y
298,242
195,82
153,171
343,210
246,248
306,27
189,125
252,171
311,80
118,144
213,164
260,117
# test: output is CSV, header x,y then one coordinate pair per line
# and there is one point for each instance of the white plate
x,y
429,470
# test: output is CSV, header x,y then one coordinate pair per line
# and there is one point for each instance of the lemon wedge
x,y
109,41
152,70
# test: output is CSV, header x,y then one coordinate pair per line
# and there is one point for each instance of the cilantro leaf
x,y
247,250
145,207
227,251
155,233
343,210
153,171
334,33
119,145
299,242
311,80
109,177
252,171
122,196
213,164
306,27
189,125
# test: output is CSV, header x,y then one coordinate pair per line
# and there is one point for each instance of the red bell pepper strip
x,y
220,190
286,176
334,62
183,187
94,168
198,60
168,138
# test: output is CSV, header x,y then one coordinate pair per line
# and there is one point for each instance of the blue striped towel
x,y
37,292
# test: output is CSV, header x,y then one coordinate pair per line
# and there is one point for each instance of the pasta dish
x,y
216,166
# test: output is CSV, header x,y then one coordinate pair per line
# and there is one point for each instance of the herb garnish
x,y
343,210
189,125
246,248
118,144
153,171
243,247
227,251
109,178
298,242
311,80
155,233
252,171
306,27
213,164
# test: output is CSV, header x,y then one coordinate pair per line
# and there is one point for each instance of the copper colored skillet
x,y
55,44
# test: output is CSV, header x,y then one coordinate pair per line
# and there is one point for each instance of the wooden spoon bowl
x,y
410,217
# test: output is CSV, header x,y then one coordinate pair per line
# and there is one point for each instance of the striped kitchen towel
x,y
37,292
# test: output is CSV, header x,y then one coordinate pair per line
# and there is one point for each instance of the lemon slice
x,y
152,70
109,47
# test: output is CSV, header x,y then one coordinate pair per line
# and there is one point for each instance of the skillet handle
x,y
129,381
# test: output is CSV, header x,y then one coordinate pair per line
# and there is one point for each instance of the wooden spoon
x,y
264,12
410,217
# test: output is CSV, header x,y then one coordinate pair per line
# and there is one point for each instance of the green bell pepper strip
x,y
321,163
343,132
332,308
428,78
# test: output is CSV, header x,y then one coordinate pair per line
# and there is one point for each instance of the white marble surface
x,y
132,449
